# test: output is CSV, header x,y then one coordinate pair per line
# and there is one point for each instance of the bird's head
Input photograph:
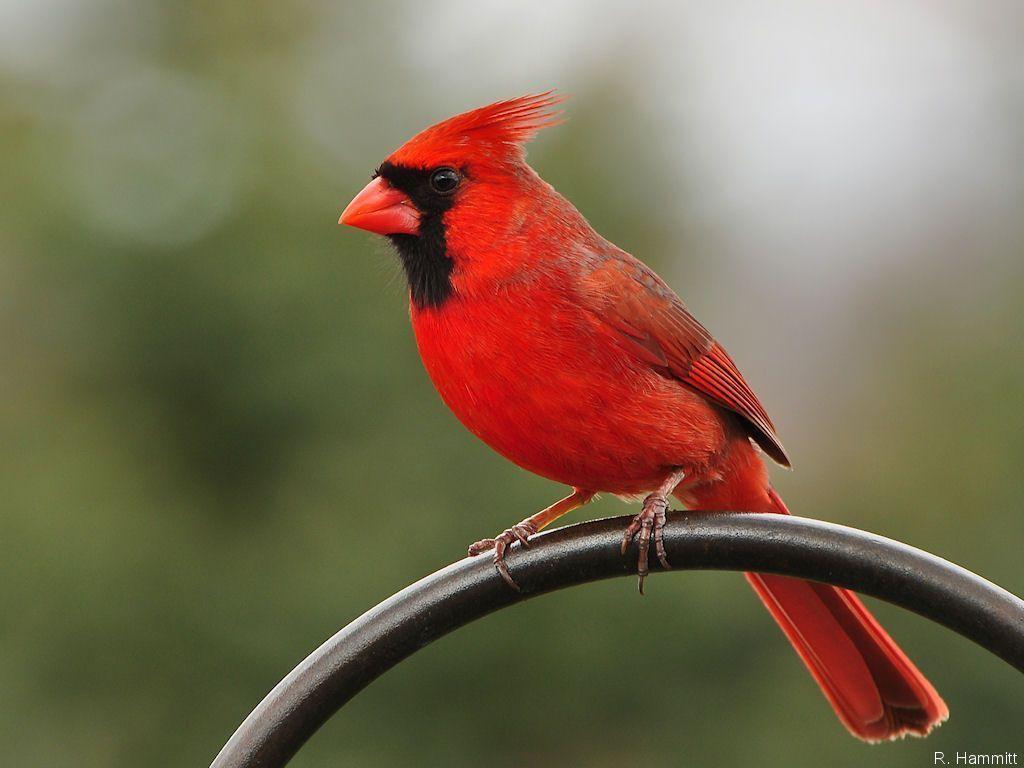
x,y
454,190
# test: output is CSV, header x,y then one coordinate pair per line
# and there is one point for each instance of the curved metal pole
x,y
469,589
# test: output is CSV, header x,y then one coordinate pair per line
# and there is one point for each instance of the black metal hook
x,y
469,589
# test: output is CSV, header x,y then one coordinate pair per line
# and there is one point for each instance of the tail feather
x,y
875,689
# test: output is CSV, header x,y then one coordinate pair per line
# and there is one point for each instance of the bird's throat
x,y
428,268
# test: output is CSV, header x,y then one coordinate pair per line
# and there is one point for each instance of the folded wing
x,y
654,324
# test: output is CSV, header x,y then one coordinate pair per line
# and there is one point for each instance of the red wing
x,y
654,324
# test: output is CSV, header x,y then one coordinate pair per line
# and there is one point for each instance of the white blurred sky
x,y
823,137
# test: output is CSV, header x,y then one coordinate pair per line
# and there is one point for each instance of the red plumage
x,y
574,360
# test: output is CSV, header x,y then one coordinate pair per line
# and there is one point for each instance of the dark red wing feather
x,y
715,374
656,326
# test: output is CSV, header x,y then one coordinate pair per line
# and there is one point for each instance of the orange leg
x,y
521,532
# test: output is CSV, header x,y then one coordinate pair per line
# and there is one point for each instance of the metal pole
x,y
469,589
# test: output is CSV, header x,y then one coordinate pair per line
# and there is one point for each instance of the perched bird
x,y
573,359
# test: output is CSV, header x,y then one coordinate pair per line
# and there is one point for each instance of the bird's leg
x,y
650,524
521,532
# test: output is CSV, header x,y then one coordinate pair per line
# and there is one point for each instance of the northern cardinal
x,y
574,360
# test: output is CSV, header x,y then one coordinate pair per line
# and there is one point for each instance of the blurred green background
x,y
219,445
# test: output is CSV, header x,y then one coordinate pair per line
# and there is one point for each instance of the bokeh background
x,y
218,444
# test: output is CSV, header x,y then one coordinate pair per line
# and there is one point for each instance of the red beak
x,y
383,210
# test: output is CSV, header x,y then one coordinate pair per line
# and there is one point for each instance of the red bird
x,y
571,358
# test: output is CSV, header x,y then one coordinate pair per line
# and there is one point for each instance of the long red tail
x,y
874,688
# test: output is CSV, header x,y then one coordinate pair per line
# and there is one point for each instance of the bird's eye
x,y
444,181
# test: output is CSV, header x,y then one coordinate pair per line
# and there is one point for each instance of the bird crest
x,y
497,132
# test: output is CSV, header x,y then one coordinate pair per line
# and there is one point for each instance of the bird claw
x,y
649,524
520,532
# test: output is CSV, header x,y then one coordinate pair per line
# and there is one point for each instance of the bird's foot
x,y
649,524
520,532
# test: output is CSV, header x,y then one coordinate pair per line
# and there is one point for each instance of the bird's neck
x,y
521,237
